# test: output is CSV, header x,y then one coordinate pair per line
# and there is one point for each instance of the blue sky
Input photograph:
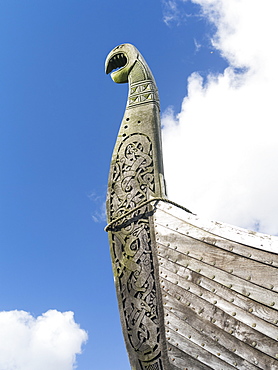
x,y
59,118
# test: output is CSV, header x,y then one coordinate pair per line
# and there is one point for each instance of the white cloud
x,y
99,213
221,150
48,342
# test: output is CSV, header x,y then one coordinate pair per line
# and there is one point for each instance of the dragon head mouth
x,y
120,61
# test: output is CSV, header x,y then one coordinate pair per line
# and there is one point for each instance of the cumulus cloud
x,y
221,150
48,342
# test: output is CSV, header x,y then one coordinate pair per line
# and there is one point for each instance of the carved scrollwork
x,y
132,184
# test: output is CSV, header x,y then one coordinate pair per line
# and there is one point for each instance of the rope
x,y
108,226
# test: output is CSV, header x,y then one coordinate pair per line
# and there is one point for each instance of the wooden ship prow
x,y
192,294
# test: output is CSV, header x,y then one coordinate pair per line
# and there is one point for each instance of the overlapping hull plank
x,y
219,295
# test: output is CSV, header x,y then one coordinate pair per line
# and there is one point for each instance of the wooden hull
x,y
219,289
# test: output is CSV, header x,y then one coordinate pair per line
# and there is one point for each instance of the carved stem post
x,y
136,175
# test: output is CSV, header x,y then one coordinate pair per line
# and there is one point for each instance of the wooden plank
x,y
246,268
228,307
261,311
177,328
261,242
244,287
184,361
218,317
203,356
240,350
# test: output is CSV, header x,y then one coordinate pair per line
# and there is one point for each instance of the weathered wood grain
x,y
262,242
219,295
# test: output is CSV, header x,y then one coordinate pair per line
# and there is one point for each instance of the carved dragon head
x,y
123,60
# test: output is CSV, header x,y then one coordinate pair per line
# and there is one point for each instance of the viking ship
x,y
192,294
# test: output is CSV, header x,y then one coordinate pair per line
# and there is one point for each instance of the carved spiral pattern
x,y
133,181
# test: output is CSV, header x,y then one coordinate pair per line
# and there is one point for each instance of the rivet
x,y
254,344
177,228
213,276
276,355
213,290
177,329
187,277
249,255
230,285
234,313
231,331
199,282
213,263
188,288
188,304
271,286
254,325
272,303
187,252
234,349
179,298
214,302
218,354
231,248
168,322
200,311
169,349
189,336
235,363
167,331
203,344
200,294
199,270
249,277
231,271
213,321
250,310
173,359
201,258
175,247
177,282
275,321
177,344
